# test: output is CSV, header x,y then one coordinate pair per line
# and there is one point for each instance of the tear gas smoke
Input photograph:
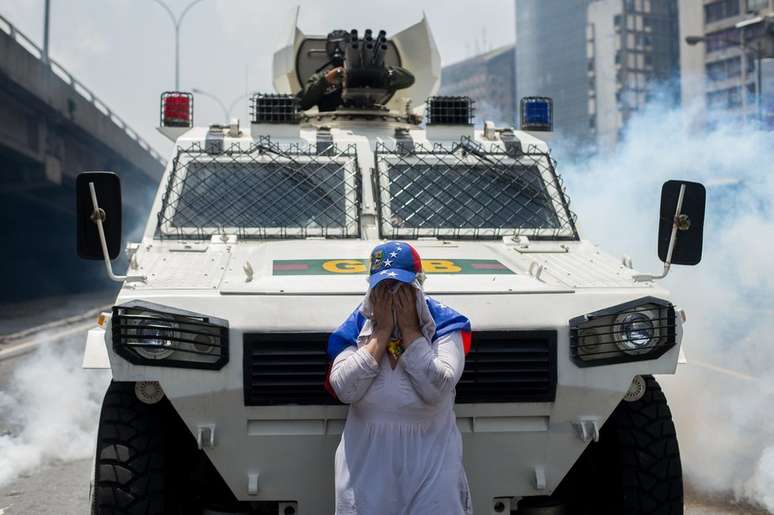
x,y
49,409
722,400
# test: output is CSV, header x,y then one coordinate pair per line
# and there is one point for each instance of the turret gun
x,y
365,74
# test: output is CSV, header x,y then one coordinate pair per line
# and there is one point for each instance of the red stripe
x,y
417,259
291,266
466,337
488,266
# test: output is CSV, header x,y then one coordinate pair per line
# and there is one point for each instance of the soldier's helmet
x,y
334,46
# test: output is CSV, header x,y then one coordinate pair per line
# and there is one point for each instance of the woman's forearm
x,y
352,373
377,344
354,369
434,372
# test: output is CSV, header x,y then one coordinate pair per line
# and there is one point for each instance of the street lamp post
x,y
176,22
46,18
226,110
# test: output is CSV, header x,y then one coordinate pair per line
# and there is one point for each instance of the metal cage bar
x,y
274,108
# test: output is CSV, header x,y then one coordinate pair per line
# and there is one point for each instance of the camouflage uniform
x,y
327,97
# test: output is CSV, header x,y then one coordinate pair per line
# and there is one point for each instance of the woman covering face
x,y
396,361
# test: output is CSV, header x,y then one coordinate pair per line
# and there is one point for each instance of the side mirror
x,y
107,187
681,222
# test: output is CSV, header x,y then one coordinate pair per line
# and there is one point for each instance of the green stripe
x,y
360,266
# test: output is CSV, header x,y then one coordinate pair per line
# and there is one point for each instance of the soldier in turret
x,y
324,88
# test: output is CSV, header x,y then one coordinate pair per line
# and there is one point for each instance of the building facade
x,y
632,54
767,93
721,80
490,80
600,60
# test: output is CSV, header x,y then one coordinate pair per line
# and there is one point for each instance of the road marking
x,y
25,334
31,343
728,371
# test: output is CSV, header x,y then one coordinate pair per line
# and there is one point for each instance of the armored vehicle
x,y
256,248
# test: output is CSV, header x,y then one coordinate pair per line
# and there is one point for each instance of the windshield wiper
x,y
467,146
275,151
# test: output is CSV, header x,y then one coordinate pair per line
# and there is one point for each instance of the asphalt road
x,y
64,489
61,489
61,486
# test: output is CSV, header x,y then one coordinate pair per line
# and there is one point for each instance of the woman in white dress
x,y
396,361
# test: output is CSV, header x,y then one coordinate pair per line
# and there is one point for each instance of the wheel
x,y
635,467
129,476
640,441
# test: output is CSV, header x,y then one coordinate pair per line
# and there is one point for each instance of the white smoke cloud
x,y
722,400
50,407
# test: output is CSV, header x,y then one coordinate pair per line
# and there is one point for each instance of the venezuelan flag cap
x,y
394,260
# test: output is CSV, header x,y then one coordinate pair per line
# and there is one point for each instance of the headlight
x,y
152,339
638,330
150,334
634,332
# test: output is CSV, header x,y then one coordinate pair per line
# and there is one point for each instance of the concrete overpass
x,y
51,128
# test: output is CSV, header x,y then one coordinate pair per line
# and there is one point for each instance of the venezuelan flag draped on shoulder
x,y
398,261
446,321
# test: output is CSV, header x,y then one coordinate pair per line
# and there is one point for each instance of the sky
x,y
123,50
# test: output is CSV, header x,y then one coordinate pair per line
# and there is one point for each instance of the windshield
x,y
477,196
261,192
461,191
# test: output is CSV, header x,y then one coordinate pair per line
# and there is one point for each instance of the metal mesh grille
x,y
274,108
449,111
465,190
264,191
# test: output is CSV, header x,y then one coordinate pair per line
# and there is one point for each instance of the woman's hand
x,y
406,311
383,318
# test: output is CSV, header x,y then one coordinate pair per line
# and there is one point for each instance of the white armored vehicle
x,y
256,248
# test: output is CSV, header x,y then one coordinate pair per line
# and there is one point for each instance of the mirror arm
x,y
97,217
672,240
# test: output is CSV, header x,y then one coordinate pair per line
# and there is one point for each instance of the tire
x,y
129,475
635,467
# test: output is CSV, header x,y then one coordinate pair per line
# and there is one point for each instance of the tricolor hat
x,y
394,260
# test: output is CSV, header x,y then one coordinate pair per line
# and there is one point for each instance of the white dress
x,y
401,451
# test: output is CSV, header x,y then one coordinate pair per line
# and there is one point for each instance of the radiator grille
x,y
290,368
509,367
285,368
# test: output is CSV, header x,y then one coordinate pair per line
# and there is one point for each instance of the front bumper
x,y
286,452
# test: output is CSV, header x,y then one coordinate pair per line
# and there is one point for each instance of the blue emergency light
x,y
537,114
